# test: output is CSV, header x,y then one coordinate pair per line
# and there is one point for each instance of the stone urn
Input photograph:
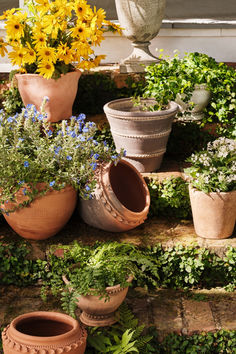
x,y
141,21
200,98
214,214
44,332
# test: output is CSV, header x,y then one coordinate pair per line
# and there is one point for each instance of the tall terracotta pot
x,y
45,216
121,199
143,134
101,312
61,93
214,214
44,332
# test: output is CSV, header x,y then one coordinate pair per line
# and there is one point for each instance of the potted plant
x,y
203,88
42,167
50,44
97,279
212,189
44,332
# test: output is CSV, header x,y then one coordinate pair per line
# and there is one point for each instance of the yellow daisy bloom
x,y
81,8
86,65
51,25
47,54
100,16
30,55
14,28
64,53
97,37
116,28
80,31
43,6
7,14
39,39
17,56
82,49
3,49
46,69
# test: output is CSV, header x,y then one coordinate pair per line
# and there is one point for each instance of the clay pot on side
x,y
45,216
98,312
61,93
44,332
143,134
214,214
121,199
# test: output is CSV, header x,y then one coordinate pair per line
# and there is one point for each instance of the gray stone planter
x,y
141,21
143,134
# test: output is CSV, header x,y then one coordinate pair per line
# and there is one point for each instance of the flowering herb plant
x,y
214,169
54,35
36,157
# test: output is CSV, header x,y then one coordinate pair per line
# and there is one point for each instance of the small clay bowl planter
x,y
101,312
44,332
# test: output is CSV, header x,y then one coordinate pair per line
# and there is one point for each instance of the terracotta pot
x,y
121,199
61,93
214,214
44,332
143,134
45,216
101,312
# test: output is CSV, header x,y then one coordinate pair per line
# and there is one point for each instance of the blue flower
x,y
87,188
46,98
114,157
57,150
81,117
95,142
68,157
21,139
77,146
85,129
73,134
52,183
78,181
104,143
125,152
24,191
81,137
26,164
10,120
21,182
96,156
94,165
49,132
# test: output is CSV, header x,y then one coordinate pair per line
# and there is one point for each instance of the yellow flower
x,y
43,6
80,31
46,69
39,38
3,49
82,9
100,16
98,59
97,37
30,55
64,53
115,27
17,56
7,14
82,48
47,54
51,25
86,65
14,28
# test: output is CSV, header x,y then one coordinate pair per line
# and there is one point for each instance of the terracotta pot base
x,y
98,320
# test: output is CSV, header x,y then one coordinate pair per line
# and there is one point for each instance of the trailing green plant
x,y
214,169
171,77
36,156
11,99
169,197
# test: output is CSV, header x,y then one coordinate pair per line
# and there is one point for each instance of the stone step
x,y
168,310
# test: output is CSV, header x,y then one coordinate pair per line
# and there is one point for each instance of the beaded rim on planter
x,y
113,108
49,348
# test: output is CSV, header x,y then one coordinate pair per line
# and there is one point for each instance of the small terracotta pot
x,y
121,199
61,93
45,216
101,312
214,214
44,332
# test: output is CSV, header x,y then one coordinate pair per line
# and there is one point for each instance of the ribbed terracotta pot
x,y
214,214
44,333
143,134
45,216
101,312
120,201
61,93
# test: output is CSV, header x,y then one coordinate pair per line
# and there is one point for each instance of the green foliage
x,y
36,156
94,91
11,100
186,138
169,197
173,78
213,169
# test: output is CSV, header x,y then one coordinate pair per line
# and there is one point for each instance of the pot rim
x,y
109,108
49,315
147,198
26,75
195,190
